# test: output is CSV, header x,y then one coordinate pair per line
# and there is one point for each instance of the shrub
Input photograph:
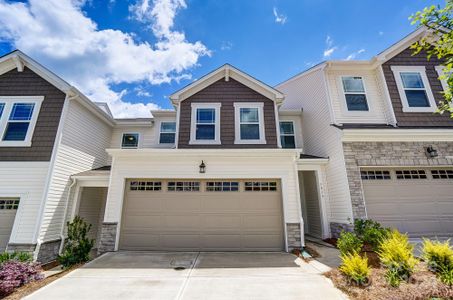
x,y
370,232
18,256
396,255
439,257
78,245
14,274
437,254
349,243
355,268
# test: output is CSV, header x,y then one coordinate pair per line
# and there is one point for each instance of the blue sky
x,y
84,41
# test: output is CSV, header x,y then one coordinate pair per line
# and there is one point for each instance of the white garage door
x,y
8,209
416,201
209,215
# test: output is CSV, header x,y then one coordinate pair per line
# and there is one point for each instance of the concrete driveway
x,y
194,275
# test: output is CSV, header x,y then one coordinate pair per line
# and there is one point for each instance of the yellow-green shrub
x,y
396,254
439,257
355,267
437,254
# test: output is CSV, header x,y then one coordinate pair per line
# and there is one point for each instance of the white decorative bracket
x,y
19,63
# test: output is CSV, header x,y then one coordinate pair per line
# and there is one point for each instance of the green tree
x,y
439,22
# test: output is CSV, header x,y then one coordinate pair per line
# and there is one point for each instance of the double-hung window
x,y
414,89
205,124
167,133
287,138
18,117
354,92
249,123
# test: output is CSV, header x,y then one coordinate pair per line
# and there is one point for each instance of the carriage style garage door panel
x,y
216,215
8,209
417,201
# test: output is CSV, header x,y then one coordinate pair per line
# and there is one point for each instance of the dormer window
x,y
205,125
354,92
18,117
249,123
414,89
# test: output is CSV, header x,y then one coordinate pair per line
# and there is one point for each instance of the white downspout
x,y
74,181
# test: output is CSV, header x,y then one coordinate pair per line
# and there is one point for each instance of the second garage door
x,y
8,209
209,215
416,201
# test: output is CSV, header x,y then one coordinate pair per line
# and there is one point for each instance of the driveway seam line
x,y
186,280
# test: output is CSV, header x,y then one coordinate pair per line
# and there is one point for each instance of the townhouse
x,y
390,155
236,166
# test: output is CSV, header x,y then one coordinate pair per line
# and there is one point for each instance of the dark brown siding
x,y
28,83
404,119
227,92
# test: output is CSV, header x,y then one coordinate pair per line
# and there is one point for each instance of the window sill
x,y
250,142
15,144
204,142
419,109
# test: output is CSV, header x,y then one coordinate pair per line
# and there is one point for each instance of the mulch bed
x,y
332,241
29,288
422,285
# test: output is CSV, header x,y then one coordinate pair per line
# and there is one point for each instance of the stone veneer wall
x,y
409,154
108,237
48,251
29,248
293,236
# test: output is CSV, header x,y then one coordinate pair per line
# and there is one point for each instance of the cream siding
x,y
148,135
308,92
219,164
374,93
82,147
25,180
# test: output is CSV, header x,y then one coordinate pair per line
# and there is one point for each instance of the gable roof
x,y
18,59
402,44
227,71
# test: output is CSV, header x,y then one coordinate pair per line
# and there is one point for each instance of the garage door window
x,y
146,186
442,174
222,186
260,186
184,186
375,175
411,174
9,204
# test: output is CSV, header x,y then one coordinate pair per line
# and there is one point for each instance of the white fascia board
x,y
397,135
163,113
206,152
227,71
401,45
312,161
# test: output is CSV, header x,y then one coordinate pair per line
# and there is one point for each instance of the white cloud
x,y
330,48
58,34
279,18
381,33
354,54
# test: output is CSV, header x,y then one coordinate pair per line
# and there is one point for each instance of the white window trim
x,y
9,102
440,72
138,140
284,134
237,122
193,124
344,104
397,70
160,132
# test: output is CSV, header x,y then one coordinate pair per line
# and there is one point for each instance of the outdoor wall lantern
x,y
202,167
431,152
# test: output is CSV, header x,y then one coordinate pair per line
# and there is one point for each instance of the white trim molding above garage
x,y
240,164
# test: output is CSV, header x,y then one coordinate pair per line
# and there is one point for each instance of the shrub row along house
x,y
237,166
